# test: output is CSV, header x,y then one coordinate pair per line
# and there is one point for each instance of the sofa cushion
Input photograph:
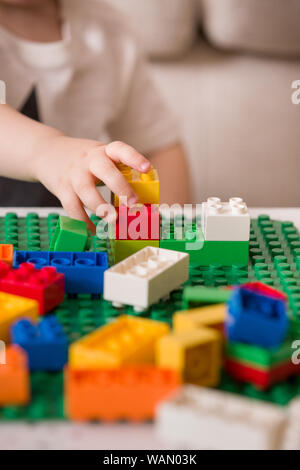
x,y
167,28
268,26
240,128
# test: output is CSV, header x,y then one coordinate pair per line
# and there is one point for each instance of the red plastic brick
x,y
127,393
140,222
261,378
45,285
263,289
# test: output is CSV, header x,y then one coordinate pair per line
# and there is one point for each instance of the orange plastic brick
x,y
109,395
14,378
7,254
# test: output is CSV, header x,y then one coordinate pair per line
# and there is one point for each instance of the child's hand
x,y
71,168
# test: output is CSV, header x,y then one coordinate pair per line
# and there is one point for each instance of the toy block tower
x,y
137,226
226,227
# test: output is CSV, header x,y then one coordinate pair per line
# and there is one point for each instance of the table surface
x,y
92,436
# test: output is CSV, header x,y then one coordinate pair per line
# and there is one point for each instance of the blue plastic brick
x,y
45,343
83,271
256,319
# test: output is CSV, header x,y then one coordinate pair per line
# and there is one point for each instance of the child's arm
x,y
69,168
172,167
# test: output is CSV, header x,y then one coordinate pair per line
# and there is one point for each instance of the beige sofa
x,y
226,68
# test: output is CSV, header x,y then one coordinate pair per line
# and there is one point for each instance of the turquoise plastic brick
x,y
69,235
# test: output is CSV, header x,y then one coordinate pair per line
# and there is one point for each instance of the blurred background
x,y
226,68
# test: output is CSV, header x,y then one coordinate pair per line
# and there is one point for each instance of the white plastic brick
x,y
292,435
145,277
225,221
200,418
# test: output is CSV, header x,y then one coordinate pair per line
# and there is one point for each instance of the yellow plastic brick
x,y
127,341
212,316
12,308
196,355
145,185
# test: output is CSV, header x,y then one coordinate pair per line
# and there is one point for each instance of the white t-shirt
x,y
93,83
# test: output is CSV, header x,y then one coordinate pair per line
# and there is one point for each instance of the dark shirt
x,y
21,193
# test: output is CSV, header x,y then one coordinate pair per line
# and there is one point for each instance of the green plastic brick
x,y
190,239
196,296
255,356
70,235
124,248
206,253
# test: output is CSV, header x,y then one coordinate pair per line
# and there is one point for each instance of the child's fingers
x,y
74,208
123,153
104,169
84,186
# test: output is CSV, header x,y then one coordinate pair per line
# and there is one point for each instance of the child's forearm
x,y
70,168
172,167
21,140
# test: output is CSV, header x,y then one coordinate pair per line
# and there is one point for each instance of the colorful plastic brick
x,y
146,277
122,249
196,355
264,289
256,318
198,418
45,343
83,271
212,316
145,185
200,295
7,254
139,222
225,221
46,285
13,308
69,235
190,239
108,395
225,253
14,378
261,378
127,341
187,238
261,367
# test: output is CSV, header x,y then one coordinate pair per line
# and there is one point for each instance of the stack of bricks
x,y
111,373
226,230
259,349
138,226
220,238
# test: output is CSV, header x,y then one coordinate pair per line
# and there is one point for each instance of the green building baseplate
x,y
274,259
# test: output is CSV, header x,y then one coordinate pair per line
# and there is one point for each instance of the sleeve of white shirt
x,y
145,121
